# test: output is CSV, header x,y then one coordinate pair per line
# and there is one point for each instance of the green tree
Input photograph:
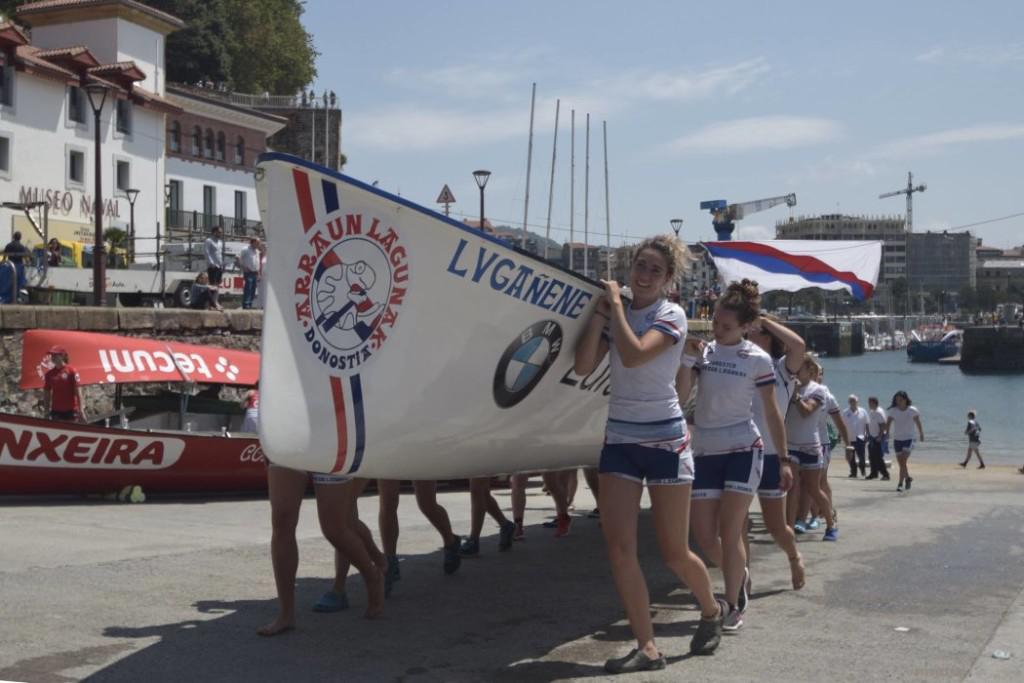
x,y
199,51
268,47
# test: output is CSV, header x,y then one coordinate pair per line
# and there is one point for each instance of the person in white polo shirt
x,y
902,418
856,420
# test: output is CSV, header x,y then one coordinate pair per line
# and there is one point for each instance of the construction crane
x,y
909,190
724,215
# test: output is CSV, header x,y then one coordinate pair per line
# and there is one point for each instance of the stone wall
x,y
230,329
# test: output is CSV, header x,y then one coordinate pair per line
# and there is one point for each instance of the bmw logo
x,y
525,361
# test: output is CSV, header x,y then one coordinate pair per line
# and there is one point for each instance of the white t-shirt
x,y
830,407
647,393
903,427
802,431
856,422
783,392
876,422
730,377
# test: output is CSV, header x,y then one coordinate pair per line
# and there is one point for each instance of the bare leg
x,y
732,518
286,488
620,501
479,492
335,510
670,506
810,481
518,485
977,450
593,480
426,499
570,482
557,484
826,488
901,458
704,525
773,510
793,499
388,491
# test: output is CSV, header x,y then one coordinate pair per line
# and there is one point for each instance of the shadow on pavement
x,y
491,621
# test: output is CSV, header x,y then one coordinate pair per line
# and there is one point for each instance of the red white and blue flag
x,y
792,265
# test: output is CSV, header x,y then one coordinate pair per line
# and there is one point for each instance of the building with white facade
x,y
46,119
212,147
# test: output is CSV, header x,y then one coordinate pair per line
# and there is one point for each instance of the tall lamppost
x,y
132,195
481,177
97,93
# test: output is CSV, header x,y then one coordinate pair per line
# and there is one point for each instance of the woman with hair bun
x,y
646,441
728,450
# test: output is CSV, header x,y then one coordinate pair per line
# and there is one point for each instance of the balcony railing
x,y
204,222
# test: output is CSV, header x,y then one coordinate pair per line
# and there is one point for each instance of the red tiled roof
x,y
28,55
154,101
11,34
46,6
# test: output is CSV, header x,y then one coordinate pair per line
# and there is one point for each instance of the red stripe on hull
x,y
305,198
338,394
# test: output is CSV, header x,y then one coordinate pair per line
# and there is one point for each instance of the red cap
x,y
58,350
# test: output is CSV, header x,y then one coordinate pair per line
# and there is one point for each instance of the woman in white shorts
x,y
902,418
646,441
728,451
786,347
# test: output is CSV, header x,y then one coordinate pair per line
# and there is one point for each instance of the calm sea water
x,y
943,395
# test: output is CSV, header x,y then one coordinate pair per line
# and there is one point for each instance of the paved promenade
x,y
921,587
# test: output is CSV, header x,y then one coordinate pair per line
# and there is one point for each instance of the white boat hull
x,y
398,343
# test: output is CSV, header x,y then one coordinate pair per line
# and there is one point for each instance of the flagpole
x,y
586,204
551,187
529,164
607,212
572,187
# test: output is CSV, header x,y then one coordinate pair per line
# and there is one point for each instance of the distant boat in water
x,y
933,350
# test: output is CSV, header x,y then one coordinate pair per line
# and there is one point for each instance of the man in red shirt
x,y
63,392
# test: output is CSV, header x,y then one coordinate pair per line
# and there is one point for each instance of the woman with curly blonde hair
x,y
646,441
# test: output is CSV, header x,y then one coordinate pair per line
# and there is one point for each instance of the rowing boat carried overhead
x,y
400,343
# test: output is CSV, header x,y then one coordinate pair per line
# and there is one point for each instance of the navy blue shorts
x,y
643,463
771,478
739,472
903,445
808,459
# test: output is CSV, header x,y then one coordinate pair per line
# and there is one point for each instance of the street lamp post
x,y
97,93
132,195
481,177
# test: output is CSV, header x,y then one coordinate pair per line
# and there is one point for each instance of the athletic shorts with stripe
x,y
657,453
771,478
808,456
738,472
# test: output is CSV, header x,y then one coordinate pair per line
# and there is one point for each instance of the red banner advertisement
x,y
112,359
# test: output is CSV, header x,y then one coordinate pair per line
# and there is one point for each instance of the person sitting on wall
x,y
204,295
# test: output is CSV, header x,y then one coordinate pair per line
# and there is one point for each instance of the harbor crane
x,y
724,215
909,190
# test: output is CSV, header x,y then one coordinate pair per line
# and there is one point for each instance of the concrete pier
x,y
992,350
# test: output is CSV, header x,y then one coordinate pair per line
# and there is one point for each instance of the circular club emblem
x,y
350,292
350,288
525,361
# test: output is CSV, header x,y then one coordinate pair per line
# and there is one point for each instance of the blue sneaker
x,y
831,534
799,528
452,559
813,524
331,602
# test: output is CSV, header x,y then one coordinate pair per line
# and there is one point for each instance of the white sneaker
x,y
733,620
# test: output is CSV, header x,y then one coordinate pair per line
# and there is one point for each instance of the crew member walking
x,y
856,420
973,432
877,434
902,418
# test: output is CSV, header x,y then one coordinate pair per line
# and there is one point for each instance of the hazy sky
x,y
732,100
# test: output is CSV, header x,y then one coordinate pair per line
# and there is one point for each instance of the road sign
x,y
446,196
